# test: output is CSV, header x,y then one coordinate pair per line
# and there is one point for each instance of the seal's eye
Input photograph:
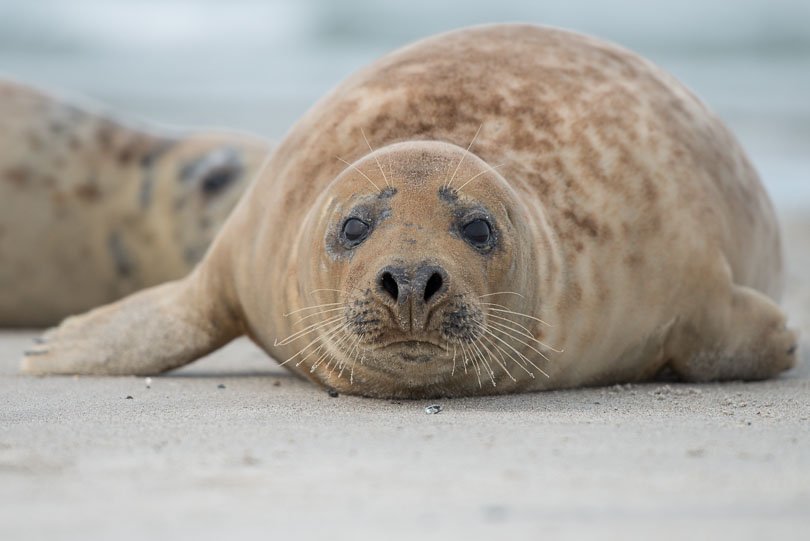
x,y
477,232
355,230
218,179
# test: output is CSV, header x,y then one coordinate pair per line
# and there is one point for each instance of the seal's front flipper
x,y
152,331
745,338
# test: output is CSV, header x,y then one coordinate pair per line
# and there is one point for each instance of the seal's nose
x,y
391,280
421,285
430,281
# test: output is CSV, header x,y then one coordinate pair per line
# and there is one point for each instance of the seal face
x,y
421,255
492,210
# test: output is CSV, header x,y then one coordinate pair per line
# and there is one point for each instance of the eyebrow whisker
x,y
359,171
450,182
478,175
363,133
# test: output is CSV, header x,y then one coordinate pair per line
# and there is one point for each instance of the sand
x,y
233,446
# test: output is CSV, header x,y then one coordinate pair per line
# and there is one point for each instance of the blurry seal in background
x,y
498,209
93,209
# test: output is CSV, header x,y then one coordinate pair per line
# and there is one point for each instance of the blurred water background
x,y
257,65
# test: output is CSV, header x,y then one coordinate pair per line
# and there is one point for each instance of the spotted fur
x,y
96,209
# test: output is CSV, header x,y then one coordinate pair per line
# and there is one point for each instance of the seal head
x,y
409,250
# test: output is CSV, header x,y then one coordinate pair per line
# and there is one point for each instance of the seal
x,y
94,209
497,209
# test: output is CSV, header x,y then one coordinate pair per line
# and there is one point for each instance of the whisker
x,y
501,352
519,354
476,369
452,372
359,171
507,333
335,367
502,293
324,345
474,360
351,355
477,354
485,362
354,359
288,314
506,310
306,330
375,158
479,174
529,336
476,364
342,364
492,356
450,182
322,358
321,313
490,315
463,356
328,289
314,341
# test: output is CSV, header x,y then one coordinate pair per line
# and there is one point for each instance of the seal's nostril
x,y
434,284
388,284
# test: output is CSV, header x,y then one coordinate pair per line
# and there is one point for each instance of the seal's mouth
x,y
415,345
413,351
416,351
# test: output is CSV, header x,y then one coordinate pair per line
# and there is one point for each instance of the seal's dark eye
x,y
477,232
216,180
355,230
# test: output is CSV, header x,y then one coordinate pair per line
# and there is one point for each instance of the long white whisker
x,y
506,310
288,314
479,174
519,354
463,356
311,343
495,316
501,352
502,293
521,333
307,330
352,355
343,363
363,133
359,171
494,358
328,289
324,345
322,312
484,362
322,358
508,334
450,182
356,351
475,368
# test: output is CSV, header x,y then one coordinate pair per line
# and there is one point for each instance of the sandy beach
x,y
234,445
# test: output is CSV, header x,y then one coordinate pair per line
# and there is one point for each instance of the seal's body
x,y
94,209
497,209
